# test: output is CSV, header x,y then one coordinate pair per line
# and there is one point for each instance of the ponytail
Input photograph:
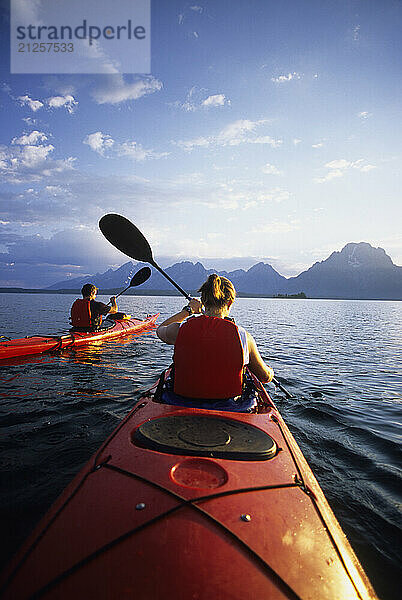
x,y
217,291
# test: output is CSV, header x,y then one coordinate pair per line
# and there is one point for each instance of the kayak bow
x,y
184,503
38,344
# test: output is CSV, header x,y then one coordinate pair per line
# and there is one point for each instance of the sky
x,y
265,131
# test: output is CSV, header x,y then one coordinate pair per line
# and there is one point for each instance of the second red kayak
x,y
38,344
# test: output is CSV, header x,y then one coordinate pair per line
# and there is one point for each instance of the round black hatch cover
x,y
195,435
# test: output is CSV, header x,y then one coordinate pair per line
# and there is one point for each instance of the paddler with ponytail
x,y
210,350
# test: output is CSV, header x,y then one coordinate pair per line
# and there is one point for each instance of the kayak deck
x,y
159,522
38,344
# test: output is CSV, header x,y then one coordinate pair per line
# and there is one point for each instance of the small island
x,y
299,295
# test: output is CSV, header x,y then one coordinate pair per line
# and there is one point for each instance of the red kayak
x,y
185,503
37,344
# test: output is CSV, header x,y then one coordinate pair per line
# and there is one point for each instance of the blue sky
x,y
266,131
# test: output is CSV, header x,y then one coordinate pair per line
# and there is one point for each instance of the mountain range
x,y
358,271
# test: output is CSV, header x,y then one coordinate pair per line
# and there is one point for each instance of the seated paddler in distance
x,y
87,313
210,350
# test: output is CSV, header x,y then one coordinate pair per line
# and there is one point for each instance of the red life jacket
x,y
81,313
208,359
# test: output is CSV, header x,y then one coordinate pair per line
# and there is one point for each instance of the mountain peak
x,y
350,246
260,267
363,254
358,271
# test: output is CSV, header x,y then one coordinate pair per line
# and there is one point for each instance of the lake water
x,y
340,359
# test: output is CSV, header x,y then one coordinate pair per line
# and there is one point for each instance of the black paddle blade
x,y
126,237
141,276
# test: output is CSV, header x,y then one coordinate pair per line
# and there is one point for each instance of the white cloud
x,y
32,156
68,101
33,104
333,174
338,164
239,132
137,152
200,142
244,196
296,141
359,164
216,100
318,145
338,168
3,158
277,195
191,102
266,139
105,64
364,114
99,142
195,100
28,159
365,168
56,190
269,169
114,89
30,139
6,89
236,133
60,85
288,77
356,33
29,120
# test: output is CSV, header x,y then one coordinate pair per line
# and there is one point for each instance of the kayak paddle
x,y
127,238
280,386
140,277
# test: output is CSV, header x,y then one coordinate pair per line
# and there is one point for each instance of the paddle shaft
x,y
140,277
280,386
153,263
120,293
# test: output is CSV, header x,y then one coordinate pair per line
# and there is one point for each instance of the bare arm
x,y
256,364
168,333
168,330
105,309
113,308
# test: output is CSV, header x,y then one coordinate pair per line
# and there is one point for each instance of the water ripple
x,y
339,359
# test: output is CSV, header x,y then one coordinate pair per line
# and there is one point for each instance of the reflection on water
x,y
340,359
